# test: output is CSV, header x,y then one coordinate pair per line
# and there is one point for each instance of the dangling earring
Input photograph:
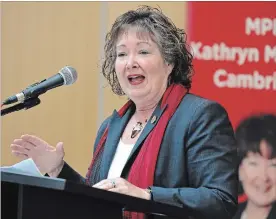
x,y
169,81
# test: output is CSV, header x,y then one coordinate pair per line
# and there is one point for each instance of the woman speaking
x,y
164,144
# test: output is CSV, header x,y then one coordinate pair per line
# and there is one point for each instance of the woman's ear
x,y
170,67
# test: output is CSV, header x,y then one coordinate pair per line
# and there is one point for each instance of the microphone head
x,y
69,75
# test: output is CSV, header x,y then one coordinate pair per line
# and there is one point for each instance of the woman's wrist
x,y
56,171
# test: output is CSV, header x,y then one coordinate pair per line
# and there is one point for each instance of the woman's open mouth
x,y
136,79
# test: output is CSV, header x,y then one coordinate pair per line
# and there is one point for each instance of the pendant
x,y
136,129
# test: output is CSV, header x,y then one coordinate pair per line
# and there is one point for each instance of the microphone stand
x,y
27,104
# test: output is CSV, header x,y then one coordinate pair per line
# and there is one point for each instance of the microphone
x,y
66,76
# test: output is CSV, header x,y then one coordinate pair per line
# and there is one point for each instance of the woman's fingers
x,y
20,155
105,184
24,144
34,140
99,184
19,148
118,190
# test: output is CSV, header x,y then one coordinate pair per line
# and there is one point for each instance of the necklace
x,y
139,125
137,129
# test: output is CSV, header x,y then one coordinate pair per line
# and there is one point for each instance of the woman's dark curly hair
x,y
171,41
252,130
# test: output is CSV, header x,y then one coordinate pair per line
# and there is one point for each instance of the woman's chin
x,y
262,200
138,94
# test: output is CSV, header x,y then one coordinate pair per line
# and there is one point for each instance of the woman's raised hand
x,y
47,158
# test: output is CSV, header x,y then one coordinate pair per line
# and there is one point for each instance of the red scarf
x,y
142,170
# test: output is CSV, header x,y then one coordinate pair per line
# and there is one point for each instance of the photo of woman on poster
x,y
256,139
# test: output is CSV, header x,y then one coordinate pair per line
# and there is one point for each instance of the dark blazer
x,y
197,165
242,206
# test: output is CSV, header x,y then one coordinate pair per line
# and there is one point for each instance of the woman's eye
x,y
144,52
252,163
273,165
121,54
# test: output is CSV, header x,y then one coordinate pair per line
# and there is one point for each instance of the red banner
x,y
234,47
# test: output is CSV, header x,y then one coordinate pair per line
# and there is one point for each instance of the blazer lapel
x,y
116,127
150,125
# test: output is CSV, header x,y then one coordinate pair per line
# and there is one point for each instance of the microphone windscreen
x,y
69,75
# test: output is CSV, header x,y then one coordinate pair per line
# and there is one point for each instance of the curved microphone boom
x,y
66,76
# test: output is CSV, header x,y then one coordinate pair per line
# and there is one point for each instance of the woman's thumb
x,y
60,148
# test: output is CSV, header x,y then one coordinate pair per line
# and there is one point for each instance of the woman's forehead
x,y
141,34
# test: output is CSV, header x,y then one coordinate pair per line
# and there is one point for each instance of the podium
x,y
30,197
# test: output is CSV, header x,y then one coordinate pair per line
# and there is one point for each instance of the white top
x,y
119,160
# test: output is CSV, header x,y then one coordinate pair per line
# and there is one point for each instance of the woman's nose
x,y
131,62
264,174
